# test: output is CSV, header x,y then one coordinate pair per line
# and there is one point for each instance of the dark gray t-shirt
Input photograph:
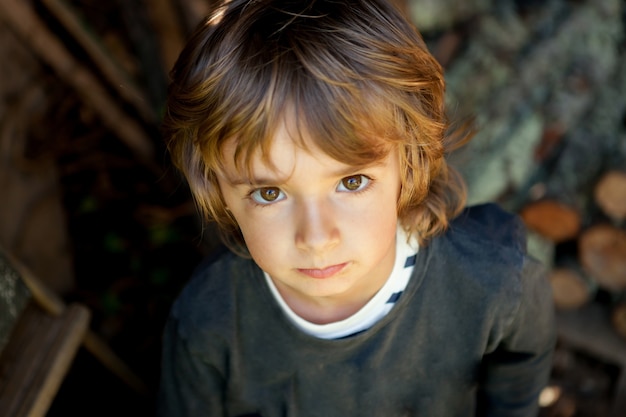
x,y
472,334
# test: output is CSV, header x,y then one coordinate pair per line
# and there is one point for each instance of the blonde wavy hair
x,y
357,75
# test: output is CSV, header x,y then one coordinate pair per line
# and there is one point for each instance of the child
x,y
314,134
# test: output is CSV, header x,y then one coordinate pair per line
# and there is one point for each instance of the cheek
x,y
262,239
265,253
386,205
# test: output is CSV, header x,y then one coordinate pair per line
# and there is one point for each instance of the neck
x,y
324,311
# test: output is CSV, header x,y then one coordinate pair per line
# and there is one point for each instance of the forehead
x,y
243,155
277,156
283,156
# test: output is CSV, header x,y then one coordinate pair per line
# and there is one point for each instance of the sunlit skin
x,y
324,231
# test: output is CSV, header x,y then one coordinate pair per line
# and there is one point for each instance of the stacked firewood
x,y
546,82
593,229
600,261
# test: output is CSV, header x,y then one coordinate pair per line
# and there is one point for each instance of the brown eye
x,y
267,195
353,182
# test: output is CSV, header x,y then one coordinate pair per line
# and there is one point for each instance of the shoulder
x,y
512,286
490,225
207,303
487,235
482,264
485,249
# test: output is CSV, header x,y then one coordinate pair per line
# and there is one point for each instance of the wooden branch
x,y
111,70
25,22
107,357
610,195
602,253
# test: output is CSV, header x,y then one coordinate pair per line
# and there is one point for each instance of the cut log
x,y
618,318
571,288
610,195
602,253
550,218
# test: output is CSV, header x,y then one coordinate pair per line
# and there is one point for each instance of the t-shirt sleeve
x,y
519,368
190,385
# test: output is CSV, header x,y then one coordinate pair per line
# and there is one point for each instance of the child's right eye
x,y
267,195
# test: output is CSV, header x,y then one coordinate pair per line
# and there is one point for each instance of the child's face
x,y
324,231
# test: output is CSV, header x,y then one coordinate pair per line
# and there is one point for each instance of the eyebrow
x,y
277,181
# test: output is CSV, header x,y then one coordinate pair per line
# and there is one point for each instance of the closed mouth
x,y
323,272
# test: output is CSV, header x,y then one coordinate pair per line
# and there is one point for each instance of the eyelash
x,y
368,185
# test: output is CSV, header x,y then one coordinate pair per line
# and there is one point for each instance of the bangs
x,y
352,121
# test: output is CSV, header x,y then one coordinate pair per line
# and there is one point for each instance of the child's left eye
x,y
353,183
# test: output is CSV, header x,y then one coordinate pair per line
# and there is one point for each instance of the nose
x,y
317,227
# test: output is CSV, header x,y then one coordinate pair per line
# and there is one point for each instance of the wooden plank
x,y
53,305
37,358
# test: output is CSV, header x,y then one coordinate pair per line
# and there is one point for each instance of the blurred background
x,y
90,203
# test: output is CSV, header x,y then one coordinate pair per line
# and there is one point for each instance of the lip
x,y
324,272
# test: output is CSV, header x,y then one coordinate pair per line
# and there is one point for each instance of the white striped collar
x,y
382,302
